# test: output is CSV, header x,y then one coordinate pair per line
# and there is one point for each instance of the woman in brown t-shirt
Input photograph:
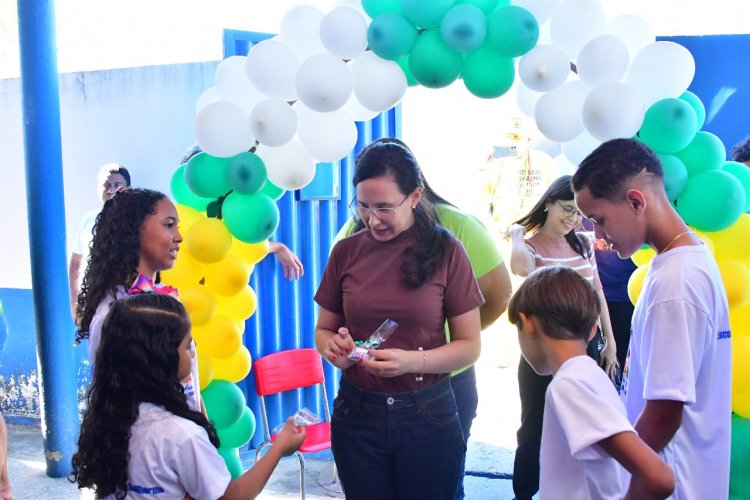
x,y
395,429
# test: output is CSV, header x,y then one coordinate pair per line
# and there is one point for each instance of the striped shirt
x,y
548,251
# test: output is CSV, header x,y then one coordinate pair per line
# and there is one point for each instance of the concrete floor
x,y
489,460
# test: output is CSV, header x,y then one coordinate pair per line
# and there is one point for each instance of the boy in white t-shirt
x,y
586,437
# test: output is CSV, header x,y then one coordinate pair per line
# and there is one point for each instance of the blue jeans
x,y
397,446
467,400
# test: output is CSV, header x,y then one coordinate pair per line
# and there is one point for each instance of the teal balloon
x,y
669,125
374,8
742,173
711,200
404,64
224,402
486,6
705,152
251,218
739,469
246,173
231,457
432,62
391,36
697,105
240,433
426,14
675,175
512,31
206,175
272,190
464,27
182,193
486,74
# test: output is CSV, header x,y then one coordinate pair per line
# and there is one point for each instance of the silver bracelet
x,y
420,377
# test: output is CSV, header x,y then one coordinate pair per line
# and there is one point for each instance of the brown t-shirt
x,y
362,281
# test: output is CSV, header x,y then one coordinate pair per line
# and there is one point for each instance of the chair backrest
x,y
286,370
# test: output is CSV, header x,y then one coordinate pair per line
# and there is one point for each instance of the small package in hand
x,y
302,418
378,337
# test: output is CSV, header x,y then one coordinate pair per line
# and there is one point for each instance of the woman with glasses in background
x,y
552,223
395,429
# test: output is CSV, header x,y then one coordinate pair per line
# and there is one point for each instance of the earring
x,y
545,209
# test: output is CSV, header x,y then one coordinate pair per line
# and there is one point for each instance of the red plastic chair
x,y
284,371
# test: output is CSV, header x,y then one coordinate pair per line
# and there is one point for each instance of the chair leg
x,y
301,473
259,449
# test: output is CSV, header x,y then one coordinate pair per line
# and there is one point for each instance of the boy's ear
x,y
529,324
592,332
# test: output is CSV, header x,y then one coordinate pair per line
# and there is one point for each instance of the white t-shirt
x,y
680,350
83,240
170,457
191,384
581,408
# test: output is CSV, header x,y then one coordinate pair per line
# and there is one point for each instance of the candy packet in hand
x,y
378,337
302,418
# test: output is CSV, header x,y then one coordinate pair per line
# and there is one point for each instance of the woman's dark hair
x,y
394,159
115,250
137,362
741,151
561,299
560,189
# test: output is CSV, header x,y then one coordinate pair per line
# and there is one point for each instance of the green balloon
x,y
697,105
374,8
739,469
206,175
486,6
246,173
742,173
251,218
404,64
224,402
512,31
486,74
231,457
240,433
272,190
675,175
464,27
182,193
391,36
705,152
432,62
669,125
711,200
426,14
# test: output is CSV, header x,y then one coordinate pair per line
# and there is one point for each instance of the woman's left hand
x,y
608,360
389,362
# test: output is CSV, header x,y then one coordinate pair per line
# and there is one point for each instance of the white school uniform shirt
x,y
581,408
191,384
170,457
680,350
82,241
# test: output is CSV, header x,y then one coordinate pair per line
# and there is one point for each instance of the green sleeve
x,y
483,253
346,230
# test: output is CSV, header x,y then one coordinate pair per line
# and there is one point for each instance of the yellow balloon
x,y
200,303
186,271
733,243
239,306
636,282
251,253
228,276
642,256
739,321
188,217
705,238
235,367
205,370
736,278
209,240
220,338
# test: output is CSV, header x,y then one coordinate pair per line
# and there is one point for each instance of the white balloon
x,y
273,122
288,166
604,59
580,147
207,97
575,23
527,99
323,83
613,110
357,111
565,166
356,5
661,70
558,112
300,28
544,68
550,148
222,129
233,85
378,84
343,31
326,136
633,31
271,67
541,9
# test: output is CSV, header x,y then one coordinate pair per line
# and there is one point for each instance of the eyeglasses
x,y
568,210
382,213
